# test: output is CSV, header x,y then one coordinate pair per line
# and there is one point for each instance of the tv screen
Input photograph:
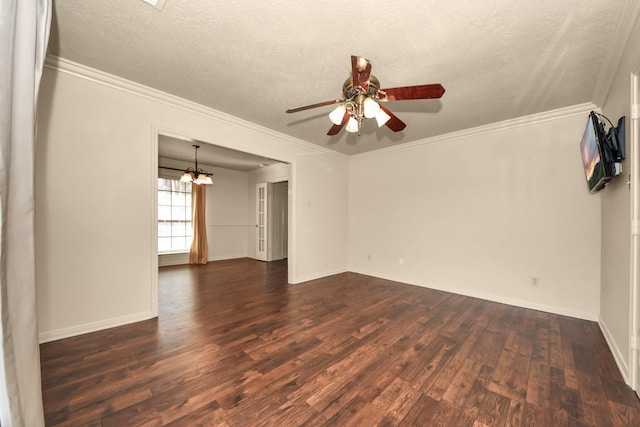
x,y
596,171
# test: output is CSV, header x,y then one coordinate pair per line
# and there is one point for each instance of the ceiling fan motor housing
x,y
349,91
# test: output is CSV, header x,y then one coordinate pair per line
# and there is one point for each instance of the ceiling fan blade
x,y
319,104
394,123
413,92
337,128
360,72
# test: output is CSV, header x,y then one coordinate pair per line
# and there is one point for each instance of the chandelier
x,y
195,174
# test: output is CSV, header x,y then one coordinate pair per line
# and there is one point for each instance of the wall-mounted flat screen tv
x,y
591,158
602,153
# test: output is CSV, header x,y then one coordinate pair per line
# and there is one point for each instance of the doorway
x,y
230,222
272,220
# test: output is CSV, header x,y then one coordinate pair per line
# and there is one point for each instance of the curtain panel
x,y
24,33
199,253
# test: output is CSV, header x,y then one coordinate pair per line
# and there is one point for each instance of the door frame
x,y
268,231
156,131
634,144
272,220
262,220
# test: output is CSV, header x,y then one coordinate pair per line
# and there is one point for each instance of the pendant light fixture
x,y
195,174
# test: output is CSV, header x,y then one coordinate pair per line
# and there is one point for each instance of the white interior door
x,y
262,200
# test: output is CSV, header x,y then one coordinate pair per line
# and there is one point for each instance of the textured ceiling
x,y
497,59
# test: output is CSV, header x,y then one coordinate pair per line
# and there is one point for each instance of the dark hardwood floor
x,y
234,345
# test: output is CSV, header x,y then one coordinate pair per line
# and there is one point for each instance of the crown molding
x,y
493,127
73,68
97,76
624,26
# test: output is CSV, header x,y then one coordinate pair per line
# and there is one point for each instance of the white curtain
x,y
24,32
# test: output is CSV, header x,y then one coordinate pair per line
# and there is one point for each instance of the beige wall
x,y
482,212
96,263
615,311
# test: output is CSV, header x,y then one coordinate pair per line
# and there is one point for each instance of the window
x,y
174,216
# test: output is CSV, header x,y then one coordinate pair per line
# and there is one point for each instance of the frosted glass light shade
x,y
203,179
337,115
371,108
186,177
352,125
382,117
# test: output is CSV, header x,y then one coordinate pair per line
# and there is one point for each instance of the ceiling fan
x,y
361,95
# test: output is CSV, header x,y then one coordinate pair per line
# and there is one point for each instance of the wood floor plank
x,y
511,375
539,384
514,418
462,383
235,345
555,344
494,410
564,400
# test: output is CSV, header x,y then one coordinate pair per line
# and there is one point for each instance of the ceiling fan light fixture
x,y
371,108
352,125
381,117
337,115
361,94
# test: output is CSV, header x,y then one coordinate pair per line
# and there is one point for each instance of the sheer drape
x,y
24,32
199,250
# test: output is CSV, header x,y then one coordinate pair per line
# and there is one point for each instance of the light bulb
x,y
337,115
352,125
371,107
382,117
361,64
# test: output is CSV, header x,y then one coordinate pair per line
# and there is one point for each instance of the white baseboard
x,y
166,260
169,260
302,279
617,355
86,328
227,257
563,311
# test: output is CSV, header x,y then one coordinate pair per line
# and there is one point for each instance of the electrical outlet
x,y
369,257
535,282
401,261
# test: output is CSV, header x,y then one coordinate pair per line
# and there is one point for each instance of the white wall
x,y
226,213
321,200
481,212
96,263
615,311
